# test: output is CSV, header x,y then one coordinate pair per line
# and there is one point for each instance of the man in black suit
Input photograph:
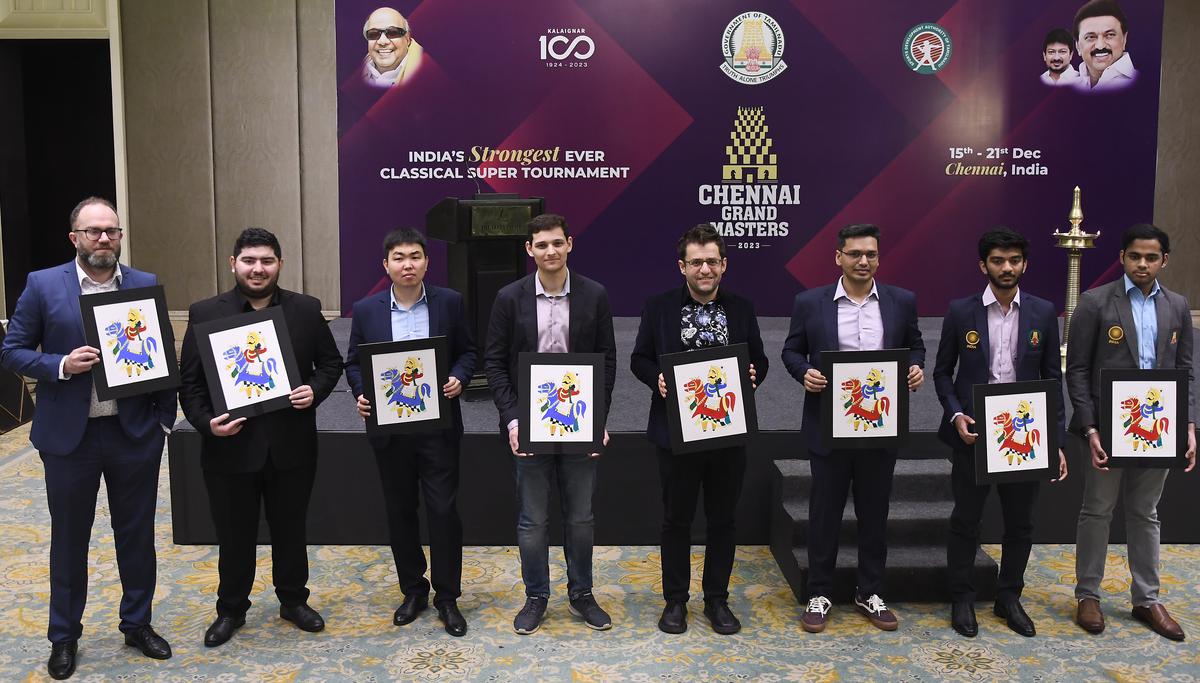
x,y
696,316
412,309
271,458
550,311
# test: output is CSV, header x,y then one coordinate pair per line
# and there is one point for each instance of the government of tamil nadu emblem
x,y
753,48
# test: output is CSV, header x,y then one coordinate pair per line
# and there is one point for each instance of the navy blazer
x,y
47,315
372,322
1038,357
513,329
659,333
814,329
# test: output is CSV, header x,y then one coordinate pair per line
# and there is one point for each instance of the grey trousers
x,y
1143,488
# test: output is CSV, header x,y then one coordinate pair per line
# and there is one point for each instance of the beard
x,y
1060,70
999,284
265,292
100,261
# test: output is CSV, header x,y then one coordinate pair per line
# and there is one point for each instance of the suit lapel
x,y
572,314
381,325
1125,315
74,291
1024,327
527,312
435,318
829,317
1162,310
887,313
981,328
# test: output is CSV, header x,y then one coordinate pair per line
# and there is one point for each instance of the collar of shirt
x,y
390,75
989,297
1122,69
396,304
81,276
1129,287
247,307
1068,75
539,290
841,291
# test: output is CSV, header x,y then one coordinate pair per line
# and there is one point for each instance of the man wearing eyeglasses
x,y
80,438
854,314
392,55
698,315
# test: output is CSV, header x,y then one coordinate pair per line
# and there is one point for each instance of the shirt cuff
x,y
166,429
62,369
512,424
955,417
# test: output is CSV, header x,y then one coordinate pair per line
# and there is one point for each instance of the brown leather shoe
x,y
1155,616
1088,615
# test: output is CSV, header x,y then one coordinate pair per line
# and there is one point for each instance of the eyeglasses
x,y
392,32
93,234
856,255
696,263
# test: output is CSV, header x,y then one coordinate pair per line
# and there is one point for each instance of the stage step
x,y
918,524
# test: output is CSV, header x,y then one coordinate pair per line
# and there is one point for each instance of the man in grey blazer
x,y
1133,322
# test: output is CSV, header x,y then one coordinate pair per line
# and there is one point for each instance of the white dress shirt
x,y
87,285
860,325
1002,337
1119,75
1067,77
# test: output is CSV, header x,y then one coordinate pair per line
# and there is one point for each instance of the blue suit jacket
x,y
372,322
814,329
1037,358
47,315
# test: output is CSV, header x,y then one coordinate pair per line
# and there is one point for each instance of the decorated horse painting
x,y
1015,438
710,407
405,393
130,346
560,410
864,401
1144,428
250,367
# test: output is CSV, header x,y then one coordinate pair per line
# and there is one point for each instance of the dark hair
x,y
256,237
1058,36
403,236
1145,231
543,222
857,230
88,202
1001,237
702,234
1100,8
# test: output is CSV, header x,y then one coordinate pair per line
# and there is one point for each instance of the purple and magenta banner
x,y
778,121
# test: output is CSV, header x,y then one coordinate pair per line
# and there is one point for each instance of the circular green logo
x,y
926,48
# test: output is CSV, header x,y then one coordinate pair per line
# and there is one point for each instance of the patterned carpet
x,y
354,588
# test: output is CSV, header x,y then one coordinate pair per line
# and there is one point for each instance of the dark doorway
x,y
56,147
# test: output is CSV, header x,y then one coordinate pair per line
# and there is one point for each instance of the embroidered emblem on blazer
x,y
972,340
1174,337
1115,334
1035,339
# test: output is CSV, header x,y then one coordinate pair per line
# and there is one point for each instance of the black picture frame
x,y
370,356
213,374
108,384
829,362
527,362
689,442
1178,377
1051,393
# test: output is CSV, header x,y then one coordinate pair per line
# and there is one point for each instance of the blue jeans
x,y
576,475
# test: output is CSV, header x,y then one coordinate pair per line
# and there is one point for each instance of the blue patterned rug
x,y
354,587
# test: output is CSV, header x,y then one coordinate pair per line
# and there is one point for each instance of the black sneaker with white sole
x,y
585,607
529,619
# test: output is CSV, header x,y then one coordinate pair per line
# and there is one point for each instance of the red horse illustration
x,y
1145,431
863,403
708,405
1013,435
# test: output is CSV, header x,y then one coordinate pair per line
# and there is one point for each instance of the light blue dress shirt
x,y
410,323
1145,320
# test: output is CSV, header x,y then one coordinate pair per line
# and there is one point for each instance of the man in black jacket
x,y
698,315
270,458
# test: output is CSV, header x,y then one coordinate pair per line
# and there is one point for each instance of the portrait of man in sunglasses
x,y
392,54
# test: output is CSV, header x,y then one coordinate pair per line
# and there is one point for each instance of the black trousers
x,y
1016,502
869,474
428,462
720,473
235,500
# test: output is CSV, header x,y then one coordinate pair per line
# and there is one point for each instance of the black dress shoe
x,y
150,643
62,659
456,625
222,630
721,618
674,618
1015,617
304,617
962,618
408,610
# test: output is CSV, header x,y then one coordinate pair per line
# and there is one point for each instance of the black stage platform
x,y
347,503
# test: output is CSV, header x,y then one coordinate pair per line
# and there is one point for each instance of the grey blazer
x,y
1103,335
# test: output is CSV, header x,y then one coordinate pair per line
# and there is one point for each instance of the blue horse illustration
x,y
250,369
559,406
404,394
129,346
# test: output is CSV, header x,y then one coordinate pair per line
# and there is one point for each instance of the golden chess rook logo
x,y
750,157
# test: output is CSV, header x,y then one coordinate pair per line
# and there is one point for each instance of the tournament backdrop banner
x,y
780,122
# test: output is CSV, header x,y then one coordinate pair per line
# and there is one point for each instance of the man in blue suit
x,y
1002,335
80,438
854,314
411,309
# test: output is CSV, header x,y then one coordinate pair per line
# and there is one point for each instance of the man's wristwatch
x,y
1087,433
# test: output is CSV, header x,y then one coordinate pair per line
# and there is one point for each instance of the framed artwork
x,y
710,401
562,402
248,362
403,380
1143,417
1017,424
137,346
865,404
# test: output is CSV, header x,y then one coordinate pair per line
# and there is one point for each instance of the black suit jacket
x,y
289,435
513,329
659,333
